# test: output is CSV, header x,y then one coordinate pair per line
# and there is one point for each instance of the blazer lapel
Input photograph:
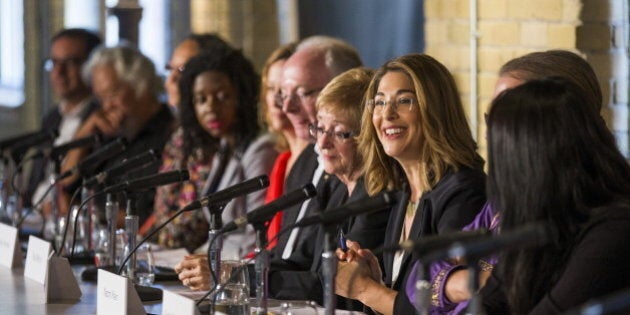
x,y
394,229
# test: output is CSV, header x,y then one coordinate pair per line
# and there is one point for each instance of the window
x,y
11,53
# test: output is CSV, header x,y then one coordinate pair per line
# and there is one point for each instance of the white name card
x,y
175,304
11,255
116,295
37,254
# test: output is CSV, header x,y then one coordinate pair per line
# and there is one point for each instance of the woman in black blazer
x,y
415,138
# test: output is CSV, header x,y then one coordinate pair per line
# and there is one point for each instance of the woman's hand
x,y
194,272
356,254
354,280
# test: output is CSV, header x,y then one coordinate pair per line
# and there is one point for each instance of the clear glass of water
x,y
232,296
145,267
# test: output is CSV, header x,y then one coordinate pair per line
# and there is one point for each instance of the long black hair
x,y
245,80
551,159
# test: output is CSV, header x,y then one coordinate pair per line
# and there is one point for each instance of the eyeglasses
x,y
170,68
317,132
378,105
302,95
52,63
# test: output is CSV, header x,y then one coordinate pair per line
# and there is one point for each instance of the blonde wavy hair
x,y
447,141
281,53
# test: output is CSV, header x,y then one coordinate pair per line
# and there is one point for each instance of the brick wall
x,y
597,29
245,24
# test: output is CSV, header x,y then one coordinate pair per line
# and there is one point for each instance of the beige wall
x,y
509,28
248,24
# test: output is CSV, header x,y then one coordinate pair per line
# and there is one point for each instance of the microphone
x,y
136,162
230,193
148,182
18,149
378,202
266,212
9,142
92,161
429,244
529,235
60,150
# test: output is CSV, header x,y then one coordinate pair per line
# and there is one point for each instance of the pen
x,y
342,241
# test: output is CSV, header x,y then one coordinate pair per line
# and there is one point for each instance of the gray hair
x,y
340,55
130,65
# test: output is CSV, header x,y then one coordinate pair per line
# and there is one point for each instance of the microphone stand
x,y
423,288
329,270
475,303
111,216
262,268
215,238
131,229
4,190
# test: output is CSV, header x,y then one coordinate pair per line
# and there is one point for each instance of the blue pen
x,y
342,241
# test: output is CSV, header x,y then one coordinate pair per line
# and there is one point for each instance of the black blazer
x,y
51,121
301,174
300,277
449,206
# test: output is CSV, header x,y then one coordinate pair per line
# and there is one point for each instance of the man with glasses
x,y
316,61
70,48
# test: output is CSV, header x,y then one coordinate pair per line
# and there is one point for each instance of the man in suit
x,y
126,85
316,61
69,50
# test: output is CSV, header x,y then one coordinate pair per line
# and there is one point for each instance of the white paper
x,y
169,258
37,255
8,246
116,295
175,304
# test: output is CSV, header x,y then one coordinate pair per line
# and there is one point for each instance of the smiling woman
x,y
415,139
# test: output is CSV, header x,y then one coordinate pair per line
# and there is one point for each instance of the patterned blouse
x,y
190,229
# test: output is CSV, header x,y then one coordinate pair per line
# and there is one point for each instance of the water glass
x,y
145,266
101,251
232,296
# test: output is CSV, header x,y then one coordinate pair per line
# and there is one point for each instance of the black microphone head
x,y
19,148
10,141
309,190
89,164
263,181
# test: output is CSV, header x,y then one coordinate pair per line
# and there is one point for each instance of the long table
x,y
19,295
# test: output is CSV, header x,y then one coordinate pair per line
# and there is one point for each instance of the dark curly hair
x,y
245,80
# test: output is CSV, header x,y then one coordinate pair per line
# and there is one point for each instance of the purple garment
x,y
440,271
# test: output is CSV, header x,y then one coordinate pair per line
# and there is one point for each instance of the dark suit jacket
x,y
51,121
300,277
453,203
301,174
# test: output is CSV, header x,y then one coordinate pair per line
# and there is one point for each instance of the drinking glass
x,y
145,267
232,295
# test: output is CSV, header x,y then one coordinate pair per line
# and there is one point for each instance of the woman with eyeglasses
x,y
339,107
415,138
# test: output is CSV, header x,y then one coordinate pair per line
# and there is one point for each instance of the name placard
x,y
116,295
61,286
37,254
11,256
175,304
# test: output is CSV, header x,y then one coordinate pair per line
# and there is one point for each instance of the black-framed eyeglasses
x,y
52,63
317,132
170,68
404,103
301,95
